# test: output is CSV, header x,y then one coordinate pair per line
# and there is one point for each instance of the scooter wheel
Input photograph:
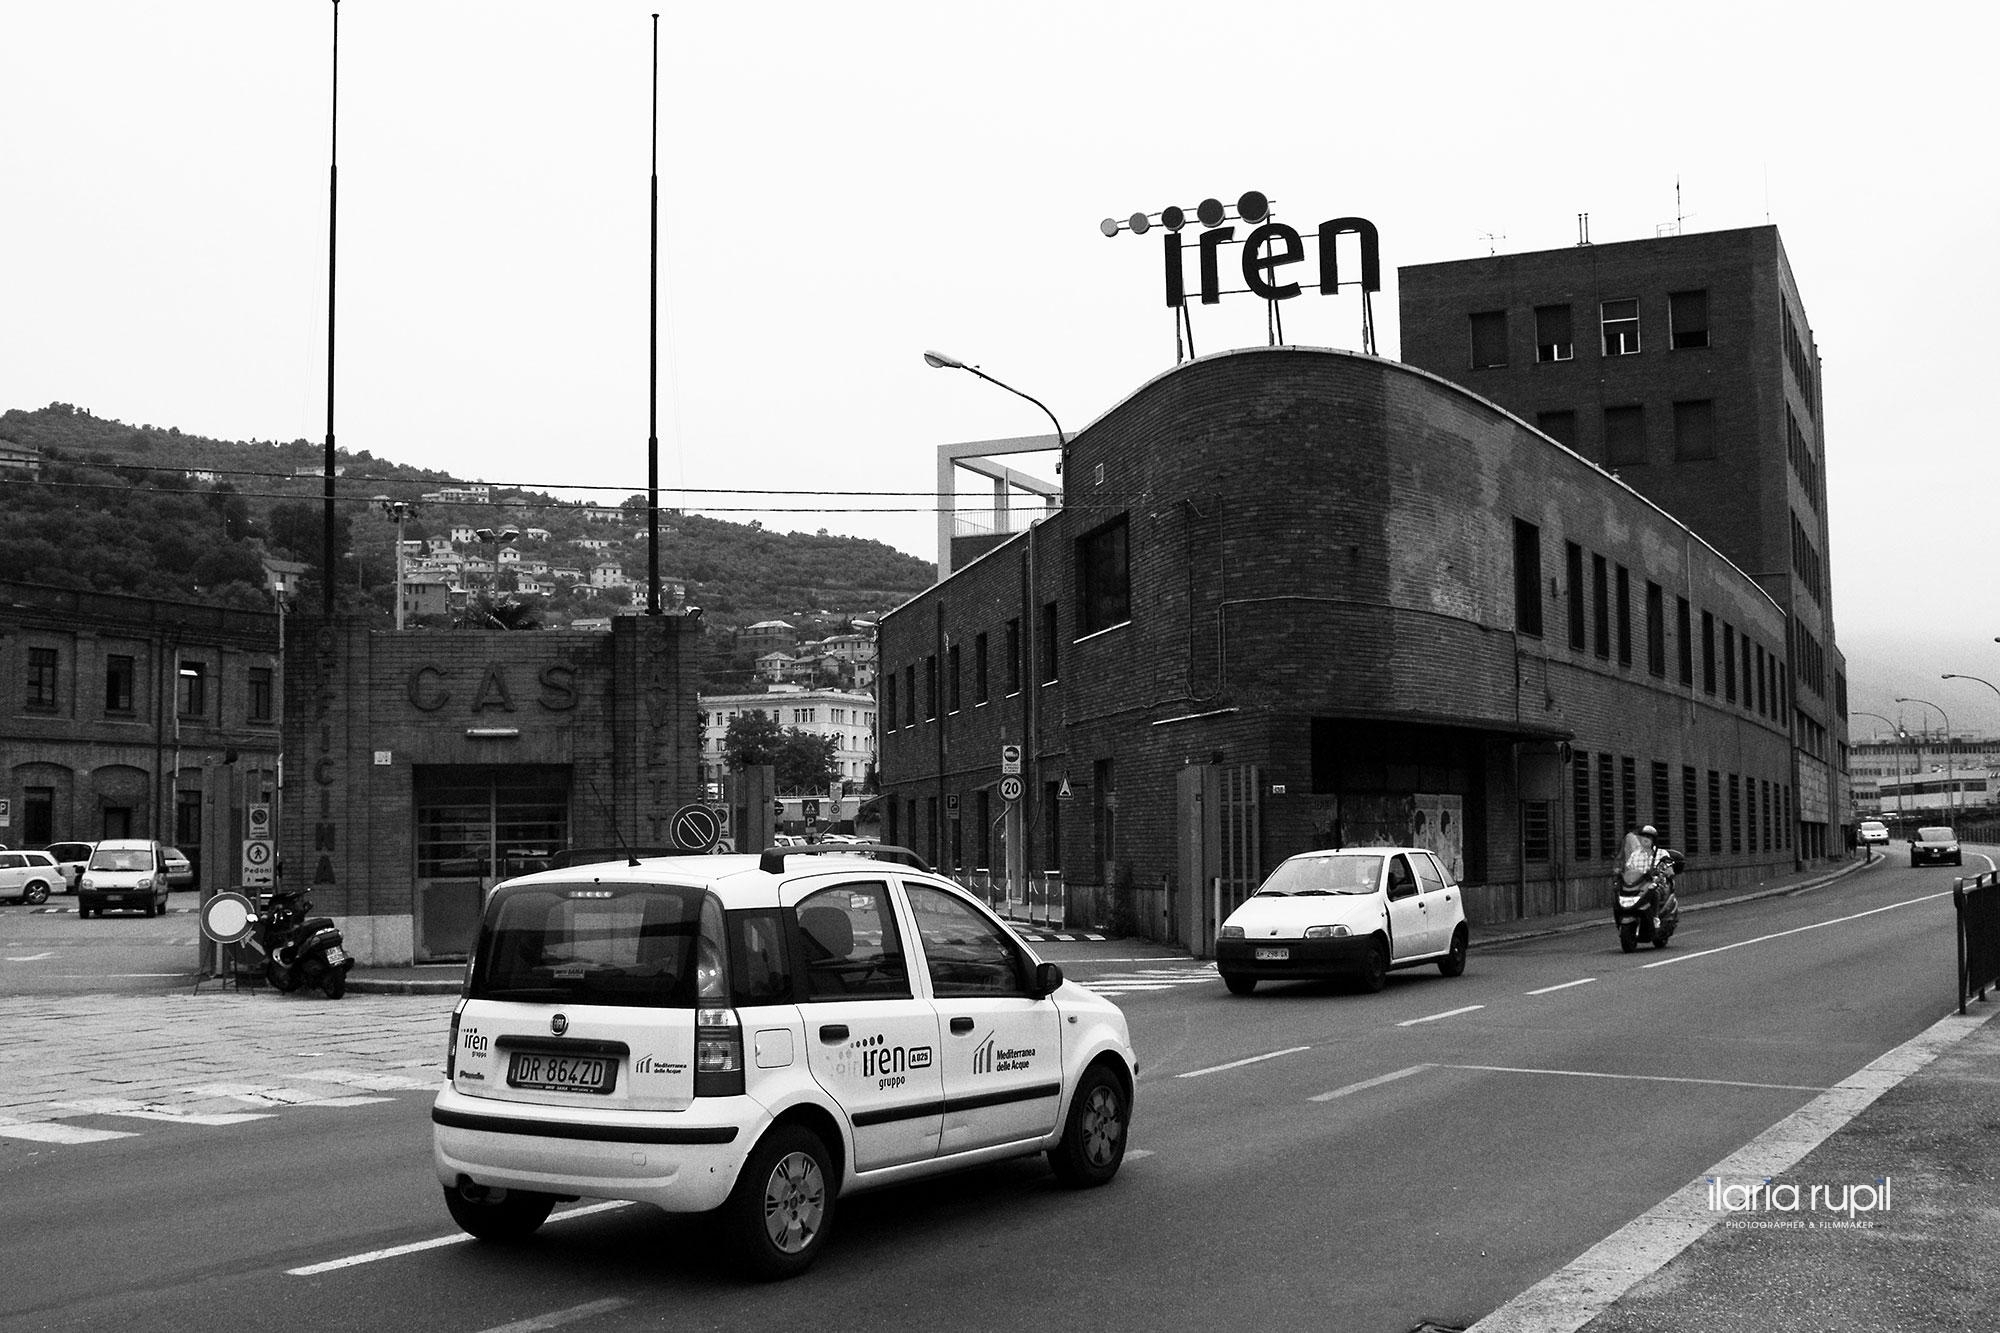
x,y
280,979
1661,937
335,984
1628,936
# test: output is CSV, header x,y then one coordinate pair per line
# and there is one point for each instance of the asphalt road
x,y
1306,1156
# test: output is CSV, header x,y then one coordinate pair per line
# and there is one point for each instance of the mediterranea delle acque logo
x,y
1787,1203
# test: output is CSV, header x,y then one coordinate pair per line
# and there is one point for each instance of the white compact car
x,y
760,1036
1358,911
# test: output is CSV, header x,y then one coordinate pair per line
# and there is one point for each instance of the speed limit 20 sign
x,y
1010,789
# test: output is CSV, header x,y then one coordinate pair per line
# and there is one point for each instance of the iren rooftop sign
x,y
1269,249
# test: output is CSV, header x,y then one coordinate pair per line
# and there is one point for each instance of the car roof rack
x,y
772,862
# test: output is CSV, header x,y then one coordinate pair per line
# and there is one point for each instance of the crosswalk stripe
x,y
56,1132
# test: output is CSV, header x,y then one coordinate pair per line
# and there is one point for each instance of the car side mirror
x,y
1048,980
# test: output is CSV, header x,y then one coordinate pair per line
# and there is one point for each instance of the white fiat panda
x,y
761,1035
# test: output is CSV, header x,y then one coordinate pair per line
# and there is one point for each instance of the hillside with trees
x,y
151,511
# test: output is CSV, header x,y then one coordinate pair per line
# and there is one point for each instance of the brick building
x,y
1299,598
130,717
1685,365
427,765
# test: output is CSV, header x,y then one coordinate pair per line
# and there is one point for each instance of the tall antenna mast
x,y
332,219
653,361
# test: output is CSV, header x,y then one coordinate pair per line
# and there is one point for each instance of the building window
x,y
261,701
1624,436
1553,339
979,669
1579,793
1489,339
1656,629
1748,702
1103,577
951,655
1684,633
41,680
1014,656
1715,812
1690,810
38,815
930,685
1708,652
1687,319
1048,645
120,679
1624,616
1663,816
888,701
1535,830
1607,809
1558,426
1600,605
1729,662
1573,567
1527,578
1735,815
1694,430
191,695
1621,327
1628,775
910,695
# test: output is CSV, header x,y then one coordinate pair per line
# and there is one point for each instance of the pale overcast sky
x,y
844,186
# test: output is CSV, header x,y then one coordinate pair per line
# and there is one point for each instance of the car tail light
x,y
718,1053
451,1049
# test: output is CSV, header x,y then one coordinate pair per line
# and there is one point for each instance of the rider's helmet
x,y
1648,831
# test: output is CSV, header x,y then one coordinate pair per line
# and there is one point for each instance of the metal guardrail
x,y
1039,900
1977,907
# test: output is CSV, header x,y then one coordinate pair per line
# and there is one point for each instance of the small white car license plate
x,y
1273,955
336,955
559,1073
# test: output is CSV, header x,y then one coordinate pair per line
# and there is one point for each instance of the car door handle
x,y
833,1032
961,1026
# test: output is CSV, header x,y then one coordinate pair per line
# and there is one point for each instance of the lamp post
x,y
1896,731
399,510
1950,768
494,539
1031,710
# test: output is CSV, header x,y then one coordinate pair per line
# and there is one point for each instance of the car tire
x,y
82,912
1375,969
35,894
1093,1139
777,1216
1239,985
499,1215
1628,937
335,984
1453,963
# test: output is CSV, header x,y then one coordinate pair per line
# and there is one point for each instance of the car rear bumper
x,y
131,900
676,1161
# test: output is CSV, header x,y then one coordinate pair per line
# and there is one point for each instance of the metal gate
x,y
1221,851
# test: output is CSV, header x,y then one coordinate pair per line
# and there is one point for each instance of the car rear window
x,y
590,943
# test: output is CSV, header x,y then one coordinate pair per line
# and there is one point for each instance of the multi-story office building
x,y
1685,366
847,716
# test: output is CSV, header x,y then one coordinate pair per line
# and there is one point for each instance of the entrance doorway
x,y
478,825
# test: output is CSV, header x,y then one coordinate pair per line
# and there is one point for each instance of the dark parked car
x,y
1935,847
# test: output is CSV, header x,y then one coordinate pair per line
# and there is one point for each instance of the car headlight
x,y
1230,933
86,882
1327,932
145,882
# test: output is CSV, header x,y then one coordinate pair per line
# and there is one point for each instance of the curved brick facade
x,y
1325,638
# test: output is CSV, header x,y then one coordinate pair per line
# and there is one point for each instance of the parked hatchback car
x,y
1935,847
123,874
1356,911
28,877
70,859
761,1036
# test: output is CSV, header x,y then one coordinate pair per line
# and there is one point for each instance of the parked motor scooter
x,y
1643,906
300,951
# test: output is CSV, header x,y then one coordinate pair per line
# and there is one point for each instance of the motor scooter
x,y
300,951
1643,905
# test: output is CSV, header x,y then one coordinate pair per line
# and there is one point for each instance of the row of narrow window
x,y
1618,324
1624,432
1756,815
42,687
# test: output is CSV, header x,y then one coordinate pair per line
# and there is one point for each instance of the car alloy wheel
x,y
1453,963
1093,1141
783,1203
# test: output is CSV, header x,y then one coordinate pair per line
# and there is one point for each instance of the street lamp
x,y
494,540
941,361
399,510
1950,768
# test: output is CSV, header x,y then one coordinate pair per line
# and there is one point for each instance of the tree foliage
x,y
802,760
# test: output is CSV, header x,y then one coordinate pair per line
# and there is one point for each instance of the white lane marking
x,y
1432,1018
117,976
49,1132
1134,1154
1238,1064
415,1247
33,957
120,1106
1644,1078
1571,1297
1565,986
557,1318
1797,930
1365,1084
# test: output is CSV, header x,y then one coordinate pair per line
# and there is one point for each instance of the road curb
x,y
1589,1284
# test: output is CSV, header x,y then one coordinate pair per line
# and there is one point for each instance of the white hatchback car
x,y
1357,911
761,1035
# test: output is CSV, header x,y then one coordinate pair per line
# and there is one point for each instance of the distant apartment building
x,y
847,716
767,636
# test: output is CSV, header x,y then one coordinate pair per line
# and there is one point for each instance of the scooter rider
x,y
1662,856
